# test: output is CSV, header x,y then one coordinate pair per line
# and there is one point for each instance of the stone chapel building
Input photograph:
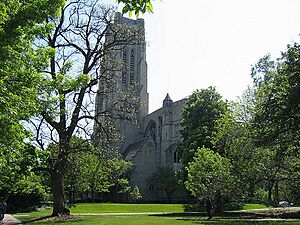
x,y
150,142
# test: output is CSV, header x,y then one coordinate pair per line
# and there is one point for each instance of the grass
x,y
125,208
133,217
157,220
254,206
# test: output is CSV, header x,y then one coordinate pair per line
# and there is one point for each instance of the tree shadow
x,y
52,218
236,218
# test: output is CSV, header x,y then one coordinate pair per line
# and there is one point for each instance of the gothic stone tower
x,y
129,75
150,142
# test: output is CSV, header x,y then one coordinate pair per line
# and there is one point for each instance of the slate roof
x,y
132,149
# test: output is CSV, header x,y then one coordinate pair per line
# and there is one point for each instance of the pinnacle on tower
x,y
167,101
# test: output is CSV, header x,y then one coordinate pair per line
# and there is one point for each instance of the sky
x,y
194,44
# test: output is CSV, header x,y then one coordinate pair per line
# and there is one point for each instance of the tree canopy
x,y
276,119
200,115
208,174
20,61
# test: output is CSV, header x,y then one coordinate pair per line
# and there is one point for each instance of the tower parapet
x,y
120,19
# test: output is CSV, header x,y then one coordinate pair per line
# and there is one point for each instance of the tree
x,y
200,115
20,23
164,179
19,185
235,137
95,171
24,60
84,42
208,175
276,118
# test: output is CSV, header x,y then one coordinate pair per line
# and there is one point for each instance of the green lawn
x,y
125,208
138,214
158,220
254,206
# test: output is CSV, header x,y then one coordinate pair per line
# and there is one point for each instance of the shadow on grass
x,y
236,214
36,219
237,218
244,222
56,219
230,215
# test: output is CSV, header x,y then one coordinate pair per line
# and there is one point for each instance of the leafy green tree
x,y
93,172
164,179
83,39
235,136
24,61
20,62
19,185
276,119
200,114
209,175
89,169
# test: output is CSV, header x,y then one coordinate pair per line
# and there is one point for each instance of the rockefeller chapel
x,y
150,142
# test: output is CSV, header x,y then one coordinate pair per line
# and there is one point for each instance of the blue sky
x,y
193,44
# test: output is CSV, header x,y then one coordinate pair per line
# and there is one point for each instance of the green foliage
x,y
20,61
94,170
135,193
208,174
27,192
19,185
20,64
166,180
136,6
276,120
200,115
277,100
28,48
79,48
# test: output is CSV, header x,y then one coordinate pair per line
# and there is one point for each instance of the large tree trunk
x,y
92,193
219,204
59,205
270,188
276,194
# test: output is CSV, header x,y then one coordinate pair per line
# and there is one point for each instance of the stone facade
x,y
150,142
157,148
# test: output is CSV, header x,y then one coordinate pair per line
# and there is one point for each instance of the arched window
x,y
124,71
131,79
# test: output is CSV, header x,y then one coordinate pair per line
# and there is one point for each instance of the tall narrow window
x,y
175,157
124,71
176,161
131,79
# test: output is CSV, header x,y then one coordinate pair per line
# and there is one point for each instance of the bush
x,y
261,196
26,195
